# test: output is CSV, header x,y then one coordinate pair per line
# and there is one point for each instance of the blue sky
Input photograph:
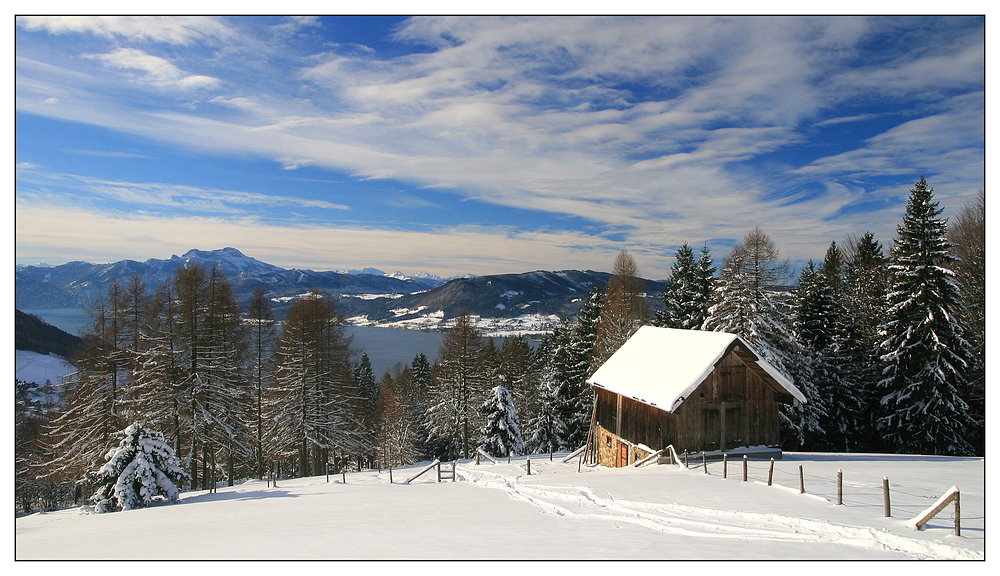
x,y
485,145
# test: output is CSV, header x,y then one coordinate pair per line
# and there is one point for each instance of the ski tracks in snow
x,y
700,522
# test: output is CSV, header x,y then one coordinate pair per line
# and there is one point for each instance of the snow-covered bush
x,y
501,434
142,467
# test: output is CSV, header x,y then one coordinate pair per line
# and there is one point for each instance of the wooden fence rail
x,y
427,468
952,495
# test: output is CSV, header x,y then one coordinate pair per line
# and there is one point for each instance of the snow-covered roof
x,y
662,366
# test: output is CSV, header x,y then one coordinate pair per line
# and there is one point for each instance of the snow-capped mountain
x,y
534,301
74,284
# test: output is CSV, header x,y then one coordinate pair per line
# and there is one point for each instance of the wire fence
x,y
902,502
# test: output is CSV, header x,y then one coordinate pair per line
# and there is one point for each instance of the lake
x,y
384,346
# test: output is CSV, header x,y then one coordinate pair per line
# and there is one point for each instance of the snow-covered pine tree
x,y
364,378
95,398
685,301
141,468
314,402
819,329
33,406
501,433
456,391
585,327
706,280
864,303
967,233
413,397
925,353
221,400
514,373
394,429
546,430
745,304
262,335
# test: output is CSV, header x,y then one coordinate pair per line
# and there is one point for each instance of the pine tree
x,y
514,371
413,398
818,329
142,467
394,427
94,398
864,303
624,310
925,353
546,430
501,432
585,330
685,301
368,389
33,407
745,304
262,337
314,402
457,390
967,233
566,374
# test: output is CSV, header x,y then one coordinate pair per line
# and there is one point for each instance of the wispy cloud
x,y
157,71
169,29
654,130
74,189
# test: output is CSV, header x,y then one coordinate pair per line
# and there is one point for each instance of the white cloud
x,y
43,232
158,71
73,189
543,114
168,29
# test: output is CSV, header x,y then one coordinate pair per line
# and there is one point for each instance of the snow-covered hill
x,y
496,511
38,368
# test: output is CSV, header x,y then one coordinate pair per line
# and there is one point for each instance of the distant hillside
x,y
34,334
74,284
539,293
526,302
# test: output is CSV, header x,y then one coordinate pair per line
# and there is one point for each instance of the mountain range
x,y
532,301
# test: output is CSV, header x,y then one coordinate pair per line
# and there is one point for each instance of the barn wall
x,y
608,445
750,405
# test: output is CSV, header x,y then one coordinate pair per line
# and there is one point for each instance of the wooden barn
x,y
698,391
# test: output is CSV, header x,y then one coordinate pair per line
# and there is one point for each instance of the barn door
x,y
622,454
712,429
734,427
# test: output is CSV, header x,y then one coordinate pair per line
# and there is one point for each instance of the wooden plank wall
x,y
750,403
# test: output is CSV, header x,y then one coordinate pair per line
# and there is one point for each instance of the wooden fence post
x,y
529,465
550,452
390,474
343,476
802,482
744,467
704,462
770,472
958,514
439,471
840,487
477,457
725,465
885,497
685,458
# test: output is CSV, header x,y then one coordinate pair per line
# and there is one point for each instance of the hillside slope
x,y
498,512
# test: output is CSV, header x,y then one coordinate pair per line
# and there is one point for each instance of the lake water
x,y
384,346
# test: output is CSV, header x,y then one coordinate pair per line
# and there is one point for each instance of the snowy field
x,y
497,512
34,367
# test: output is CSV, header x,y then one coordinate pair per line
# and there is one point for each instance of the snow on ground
x,y
497,512
34,367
